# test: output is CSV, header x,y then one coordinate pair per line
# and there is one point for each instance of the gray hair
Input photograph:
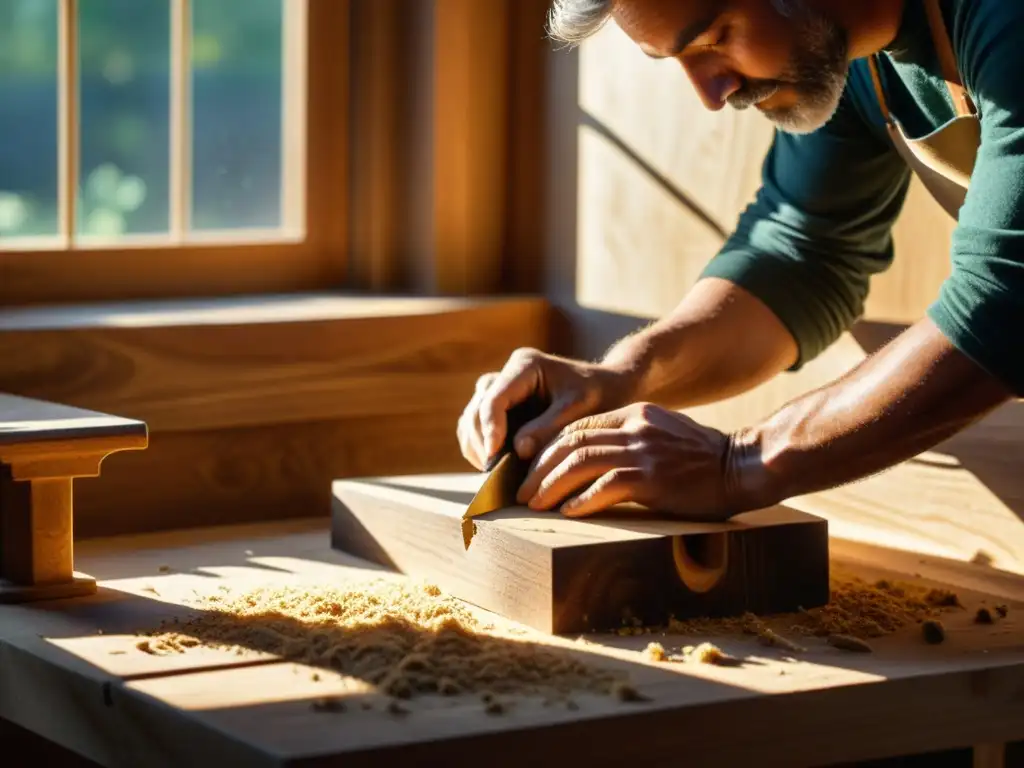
x,y
573,21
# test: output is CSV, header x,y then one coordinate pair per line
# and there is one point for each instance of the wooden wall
x,y
644,183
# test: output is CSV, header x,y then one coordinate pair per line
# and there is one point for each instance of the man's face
x,y
783,56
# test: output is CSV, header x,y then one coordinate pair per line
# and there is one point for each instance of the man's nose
x,y
714,86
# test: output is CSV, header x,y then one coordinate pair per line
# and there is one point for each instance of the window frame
x,y
278,261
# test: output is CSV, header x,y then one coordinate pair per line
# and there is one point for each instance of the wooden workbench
x,y
72,673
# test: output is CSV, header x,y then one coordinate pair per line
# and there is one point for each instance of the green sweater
x,y
821,224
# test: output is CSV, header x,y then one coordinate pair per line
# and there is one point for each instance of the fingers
x,y
571,463
615,487
517,381
469,433
564,413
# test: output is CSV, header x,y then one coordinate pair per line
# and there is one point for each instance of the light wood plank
x,y
964,500
229,364
821,707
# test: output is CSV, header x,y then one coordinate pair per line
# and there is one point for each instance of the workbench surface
x,y
73,672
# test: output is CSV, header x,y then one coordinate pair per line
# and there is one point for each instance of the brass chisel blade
x,y
506,472
497,492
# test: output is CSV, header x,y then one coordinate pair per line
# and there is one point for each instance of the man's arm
x,y
911,395
967,357
791,278
719,342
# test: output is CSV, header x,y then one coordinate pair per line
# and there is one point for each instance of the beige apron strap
x,y
947,60
962,102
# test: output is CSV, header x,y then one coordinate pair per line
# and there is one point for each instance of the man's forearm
x,y
913,394
719,342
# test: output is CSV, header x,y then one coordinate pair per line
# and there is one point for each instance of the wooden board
x,y
22,418
221,364
73,674
256,404
562,575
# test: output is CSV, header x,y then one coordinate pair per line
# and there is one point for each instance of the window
x,y
162,147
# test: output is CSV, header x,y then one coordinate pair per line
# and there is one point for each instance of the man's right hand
x,y
573,388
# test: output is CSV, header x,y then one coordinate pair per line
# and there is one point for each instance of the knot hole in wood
x,y
701,559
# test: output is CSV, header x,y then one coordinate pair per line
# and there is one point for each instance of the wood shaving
x,y
656,652
402,639
856,608
847,643
1002,610
329,704
984,616
933,632
626,692
709,653
943,598
772,639
396,708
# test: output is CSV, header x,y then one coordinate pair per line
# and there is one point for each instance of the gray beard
x,y
817,72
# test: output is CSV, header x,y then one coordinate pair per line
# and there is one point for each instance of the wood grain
x,y
35,531
561,575
470,128
822,707
379,119
529,152
183,367
259,473
255,406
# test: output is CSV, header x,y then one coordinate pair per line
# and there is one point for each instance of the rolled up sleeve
x,y
819,227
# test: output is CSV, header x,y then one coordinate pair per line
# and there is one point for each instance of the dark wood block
x,y
565,576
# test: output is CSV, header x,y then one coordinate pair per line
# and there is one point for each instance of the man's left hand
x,y
645,454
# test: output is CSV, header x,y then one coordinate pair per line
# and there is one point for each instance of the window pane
x,y
28,118
237,95
124,60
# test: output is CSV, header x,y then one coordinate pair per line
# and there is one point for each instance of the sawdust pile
x,y
857,609
404,639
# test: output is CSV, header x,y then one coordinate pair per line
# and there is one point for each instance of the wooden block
x,y
560,575
43,447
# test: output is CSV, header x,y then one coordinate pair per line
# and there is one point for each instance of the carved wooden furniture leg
x,y
43,447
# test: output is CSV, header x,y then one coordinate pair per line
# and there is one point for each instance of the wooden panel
x,y
379,77
923,239
661,179
529,152
562,575
256,405
265,361
249,474
964,500
470,134
816,708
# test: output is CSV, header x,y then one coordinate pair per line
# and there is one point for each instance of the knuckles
x,y
524,356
